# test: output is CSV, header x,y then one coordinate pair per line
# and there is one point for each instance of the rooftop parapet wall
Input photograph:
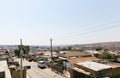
x,y
4,68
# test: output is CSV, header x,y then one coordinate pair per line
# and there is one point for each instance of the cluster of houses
x,y
77,64
72,64
4,69
8,67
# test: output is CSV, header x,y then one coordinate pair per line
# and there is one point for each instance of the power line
x,y
97,30
106,24
93,31
93,27
90,31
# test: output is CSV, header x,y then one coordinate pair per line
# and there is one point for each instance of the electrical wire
x,y
97,30
94,29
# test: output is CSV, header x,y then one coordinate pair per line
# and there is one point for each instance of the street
x,y
36,72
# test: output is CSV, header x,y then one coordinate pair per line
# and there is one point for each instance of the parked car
x,y
30,59
13,63
42,64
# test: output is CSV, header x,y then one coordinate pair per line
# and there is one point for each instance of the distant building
x,y
47,54
3,50
74,54
3,54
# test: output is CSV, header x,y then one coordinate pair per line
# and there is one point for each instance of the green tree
x,y
25,49
63,49
81,50
69,48
98,48
6,52
105,55
17,52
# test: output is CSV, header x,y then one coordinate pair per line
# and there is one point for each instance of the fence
x,y
58,68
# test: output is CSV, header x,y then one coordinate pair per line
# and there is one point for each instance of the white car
x,y
41,64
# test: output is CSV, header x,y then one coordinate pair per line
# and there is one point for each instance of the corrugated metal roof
x,y
84,59
94,66
75,53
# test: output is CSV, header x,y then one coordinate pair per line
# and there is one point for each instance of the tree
x,y
98,48
63,49
17,52
81,50
58,49
105,55
6,52
25,49
69,48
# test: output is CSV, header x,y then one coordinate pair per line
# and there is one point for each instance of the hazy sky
x,y
66,21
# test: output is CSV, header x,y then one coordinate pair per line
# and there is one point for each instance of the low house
x,y
3,50
48,54
71,63
68,56
74,54
92,69
72,57
39,53
4,70
84,59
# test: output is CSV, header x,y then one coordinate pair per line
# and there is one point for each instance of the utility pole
x,y
51,54
21,53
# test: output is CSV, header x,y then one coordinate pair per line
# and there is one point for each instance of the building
x,y
92,69
3,54
4,70
47,55
70,58
71,63
84,59
74,54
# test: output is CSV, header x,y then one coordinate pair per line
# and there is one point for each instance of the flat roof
x,y
84,59
4,67
94,65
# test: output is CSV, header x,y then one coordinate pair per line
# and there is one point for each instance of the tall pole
x,y
21,53
51,54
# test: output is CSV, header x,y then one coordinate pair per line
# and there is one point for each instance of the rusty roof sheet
x,y
84,59
75,54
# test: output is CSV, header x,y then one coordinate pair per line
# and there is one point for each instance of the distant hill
x,y
104,45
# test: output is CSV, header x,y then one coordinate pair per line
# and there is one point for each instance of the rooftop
x,y
4,67
94,66
84,59
75,54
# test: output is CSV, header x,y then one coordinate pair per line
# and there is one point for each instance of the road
x,y
36,72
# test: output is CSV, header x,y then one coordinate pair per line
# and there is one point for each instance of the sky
x,y
65,21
